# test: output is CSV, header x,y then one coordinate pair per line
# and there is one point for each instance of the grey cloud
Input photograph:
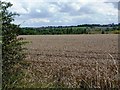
x,y
43,14
64,12
67,8
64,7
87,10
83,11
115,4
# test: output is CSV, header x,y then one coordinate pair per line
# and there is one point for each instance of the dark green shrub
x,y
12,50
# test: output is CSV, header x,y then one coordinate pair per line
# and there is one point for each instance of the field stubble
x,y
73,61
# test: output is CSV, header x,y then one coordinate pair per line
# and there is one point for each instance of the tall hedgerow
x,y
12,51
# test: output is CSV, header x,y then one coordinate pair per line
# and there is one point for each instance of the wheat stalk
x,y
114,62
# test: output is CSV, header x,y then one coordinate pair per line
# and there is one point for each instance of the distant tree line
x,y
79,29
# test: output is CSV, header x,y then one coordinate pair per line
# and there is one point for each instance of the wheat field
x,y
72,61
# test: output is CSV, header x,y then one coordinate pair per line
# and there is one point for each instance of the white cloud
x,y
64,12
53,8
38,10
38,20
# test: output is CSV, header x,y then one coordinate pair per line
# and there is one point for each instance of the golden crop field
x,y
73,60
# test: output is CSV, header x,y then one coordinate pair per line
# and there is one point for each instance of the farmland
x,y
72,61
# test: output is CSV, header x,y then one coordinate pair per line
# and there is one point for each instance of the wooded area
x,y
79,29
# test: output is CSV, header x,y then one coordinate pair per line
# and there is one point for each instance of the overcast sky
x,y
61,12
